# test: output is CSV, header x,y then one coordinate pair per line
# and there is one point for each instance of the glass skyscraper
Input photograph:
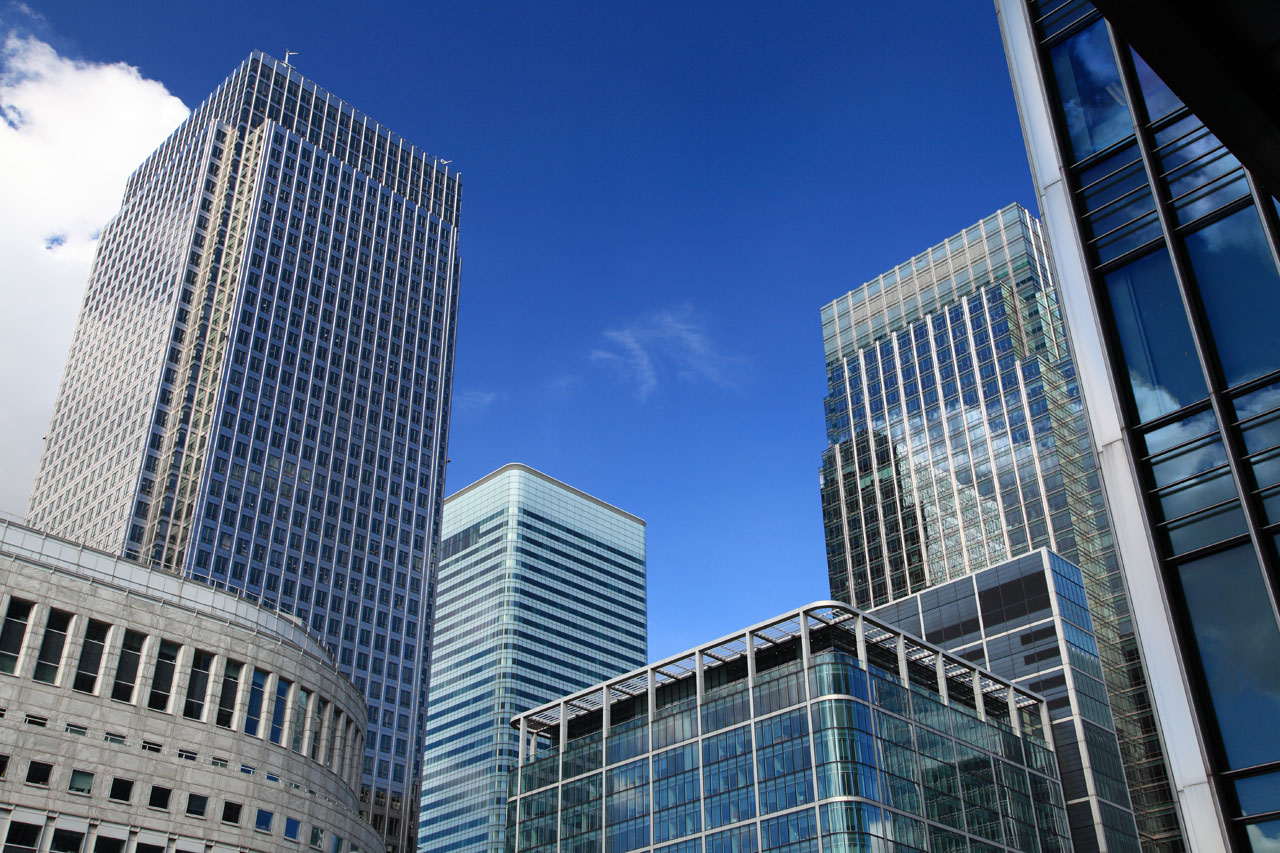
x,y
1167,253
541,592
957,440
823,729
257,392
1028,620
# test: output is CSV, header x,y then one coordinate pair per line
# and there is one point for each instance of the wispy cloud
x,y
70,134
473,401
663,345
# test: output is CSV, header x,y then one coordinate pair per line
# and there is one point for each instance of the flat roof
x,y
520,466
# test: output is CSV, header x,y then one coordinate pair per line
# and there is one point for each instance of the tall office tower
x,y
541,592
257,392
1027,620
1166,251
957,441
823,729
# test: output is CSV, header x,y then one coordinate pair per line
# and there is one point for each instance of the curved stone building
x,y
143,712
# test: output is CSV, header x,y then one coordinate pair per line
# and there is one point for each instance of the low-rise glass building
x,y
821,729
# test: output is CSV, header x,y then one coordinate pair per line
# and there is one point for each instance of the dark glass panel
x,y
1093,101
1121,211
1159,100
1205,528
1201,175
1156,342
1259,794
1054,16
1235,632
1238,283
1258,414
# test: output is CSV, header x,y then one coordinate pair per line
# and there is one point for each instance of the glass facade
x,y
821,730
957,440
1028,620
1176,247
257,389
541,592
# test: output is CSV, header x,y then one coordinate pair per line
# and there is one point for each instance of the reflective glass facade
x,y
957,440
1028,620
541,592
257,389
1168,249
823,729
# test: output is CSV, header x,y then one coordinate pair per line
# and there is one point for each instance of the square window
x,y
292,827
231,813
81,782
159,797
38,773
263,823
197,805
121,790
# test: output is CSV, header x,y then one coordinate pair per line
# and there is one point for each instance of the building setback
x,y
1166,252
257,389
822,729
957,440
541,592
1027,620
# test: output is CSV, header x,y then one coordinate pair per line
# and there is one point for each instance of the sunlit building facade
x,y
1028,620
821,730
257,389
541,592
1166,251
957,440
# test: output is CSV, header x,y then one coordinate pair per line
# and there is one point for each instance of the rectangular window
x,y
197,805
11,636
197,685
49,660
95,640
108,845
81,782
127,669
162,676
292,827
277,710
263,822
253,714
300,719
38,772
121,790
231,812
227,698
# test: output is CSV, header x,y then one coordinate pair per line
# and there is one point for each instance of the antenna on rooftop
x,y
288,53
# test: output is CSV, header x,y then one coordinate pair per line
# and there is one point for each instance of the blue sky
x,y
657,199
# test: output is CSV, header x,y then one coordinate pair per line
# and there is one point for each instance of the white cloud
x,y
70,134
651,348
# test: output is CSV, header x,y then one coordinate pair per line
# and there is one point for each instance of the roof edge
x,y
520,466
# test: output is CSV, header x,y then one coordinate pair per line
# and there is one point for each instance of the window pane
x,y
1156,342
1160,101
1264,837
1236,636
1259,794
15,628
1241,292
1093,102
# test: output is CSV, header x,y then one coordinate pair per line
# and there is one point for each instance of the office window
x,y
127,668
38,772
49,659
12,634
263,822
81,782
197,805
253,713
95,639
197,685
300,719
108,845
231,812
227,696
162,676
278,709
121,790
292,828
159,798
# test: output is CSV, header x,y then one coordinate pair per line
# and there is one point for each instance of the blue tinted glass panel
x,y
1264,837
1259,794
1239,645
1238,283
1159,100
1159,353
1093,102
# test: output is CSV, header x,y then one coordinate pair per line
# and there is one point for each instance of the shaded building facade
x,y
257,389
957,440
821,730
541,592
1165,246
1028,620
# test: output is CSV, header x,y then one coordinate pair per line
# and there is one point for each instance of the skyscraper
x,y
541,592
957,441
1166,251
257,392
